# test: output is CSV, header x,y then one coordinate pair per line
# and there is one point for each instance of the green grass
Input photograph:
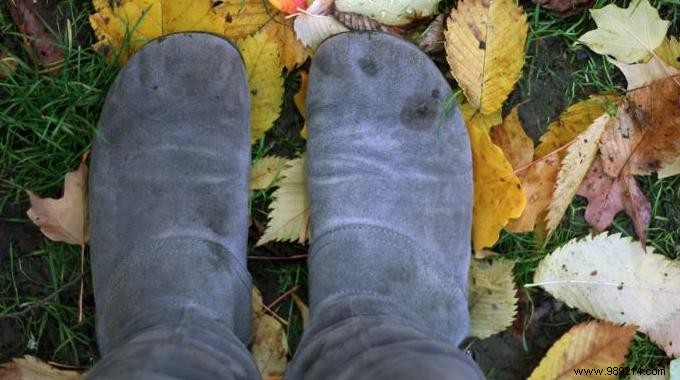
x,y
47,123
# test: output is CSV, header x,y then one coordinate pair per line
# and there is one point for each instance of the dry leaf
x,y
291,50
608,195
261,57
394,12
486,62
314,26
42,46
31,368
355,21
613,278
642,74
64,219
266,172
433,38
140,21
538,181
492,301
270,345
498,193
8,63
565,8
589,345
669,52
629,35
574,168
670,170
304,310
511,138
289,212
480,120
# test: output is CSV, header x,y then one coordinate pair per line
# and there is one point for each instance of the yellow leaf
x,y
485,49
270,345
498,193
574,168
30,368
589,345
613,278
492,301
266,172
538,181
129,24
304,310
394,12
629,35
289,212
64,219
670,170
300,100
669,52
511,138
478,119
261,56
291,50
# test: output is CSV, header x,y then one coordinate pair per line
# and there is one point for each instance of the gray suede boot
x,y
169,204
390,181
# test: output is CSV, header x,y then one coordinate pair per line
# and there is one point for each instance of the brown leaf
x,y
511,138
538,182
270,345
64,219
433,39
42,46
30,368
608,195
565,8
356,21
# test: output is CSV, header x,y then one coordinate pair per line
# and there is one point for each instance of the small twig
x,y
276,316
283,296
42,302
278,258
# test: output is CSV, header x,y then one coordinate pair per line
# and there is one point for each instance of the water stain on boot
x,y
418,113
368,66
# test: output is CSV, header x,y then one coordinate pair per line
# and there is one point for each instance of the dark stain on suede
x,y
418,113
368,66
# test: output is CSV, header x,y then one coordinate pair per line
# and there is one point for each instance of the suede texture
x,y
390,182
169,190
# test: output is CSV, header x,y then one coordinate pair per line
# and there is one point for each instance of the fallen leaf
x,y
394,12
304,310
300,100
8,63
31,368
538,180
629,35
511,138
656,115
472,115
492,297
289,212
613,278
314,26
642,74
670,170
588,345
42,46
266,172
669,52
574,168
270,345
485,254
486,61
64,219
291,50
565,8
129,24
498,194
608,195
261,57
355,21
433,38
289,6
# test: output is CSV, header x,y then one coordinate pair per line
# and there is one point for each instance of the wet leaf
x,y
42,46
613,278
486,62
64,219
589,345
629,35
